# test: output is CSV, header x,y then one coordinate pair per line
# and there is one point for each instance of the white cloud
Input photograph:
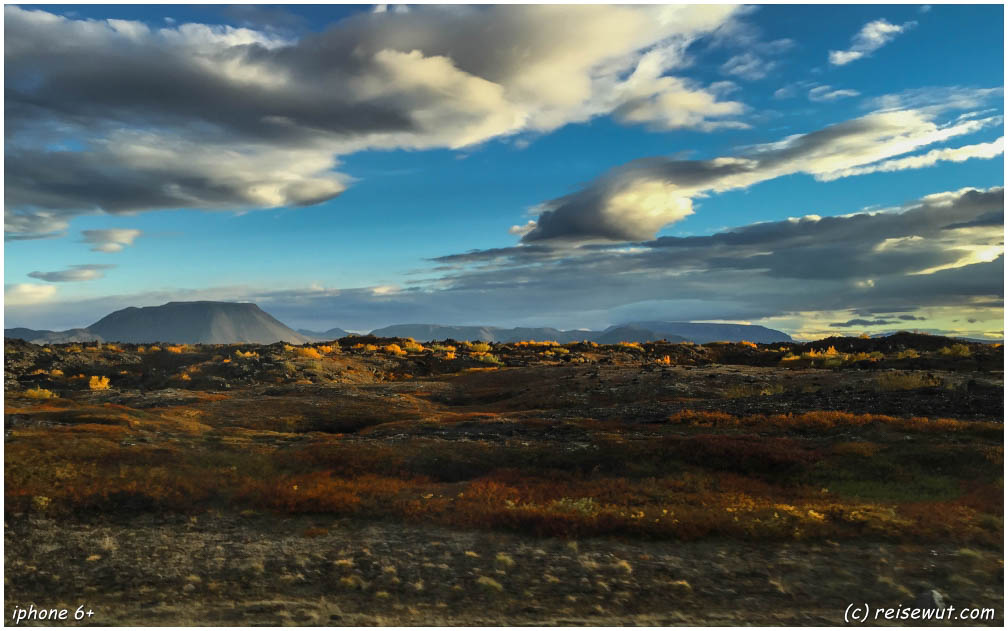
x,y
755,62
522,230
110,240
824,93
985,150
748,66
871,37
27,294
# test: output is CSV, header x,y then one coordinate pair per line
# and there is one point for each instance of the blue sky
x,y
253,153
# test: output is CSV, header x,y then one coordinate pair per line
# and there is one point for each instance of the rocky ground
x,y
226,569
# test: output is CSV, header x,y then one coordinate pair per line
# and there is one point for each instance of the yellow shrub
x,y
956,350
329,348
907,354
633,345
394,349
40,393
55,372
178,348
154,349
98,383
478,347
664,361
747,343
450,355
535,343
308,352
413,347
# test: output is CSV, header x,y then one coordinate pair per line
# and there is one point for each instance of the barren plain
x,y
382,481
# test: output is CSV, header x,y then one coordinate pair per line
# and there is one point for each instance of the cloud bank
x,y
116,116
633,201
942,253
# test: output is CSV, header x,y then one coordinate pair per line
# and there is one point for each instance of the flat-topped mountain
x,y
200,322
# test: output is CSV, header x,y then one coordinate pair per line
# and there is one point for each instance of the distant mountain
x,y
703,332
699,332
206,322
52,337
201,322
428,332
631,333
324,336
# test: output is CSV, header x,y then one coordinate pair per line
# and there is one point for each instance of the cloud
x,y
871,37
806,272
985,150
823,93
880,260
523,230
748,66
74,274
110,240
755,62
117,116
27,294
635,200
938,99
861,322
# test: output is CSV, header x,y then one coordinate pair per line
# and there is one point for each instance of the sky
x,y
820,169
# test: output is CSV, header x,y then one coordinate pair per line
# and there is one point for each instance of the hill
x,y
52,337
324,336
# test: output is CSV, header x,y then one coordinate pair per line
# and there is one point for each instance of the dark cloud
x,y
880,262
860,322
74,274
116,116
633,201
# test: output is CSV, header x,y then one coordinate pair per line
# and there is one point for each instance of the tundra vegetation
x,y
854,442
